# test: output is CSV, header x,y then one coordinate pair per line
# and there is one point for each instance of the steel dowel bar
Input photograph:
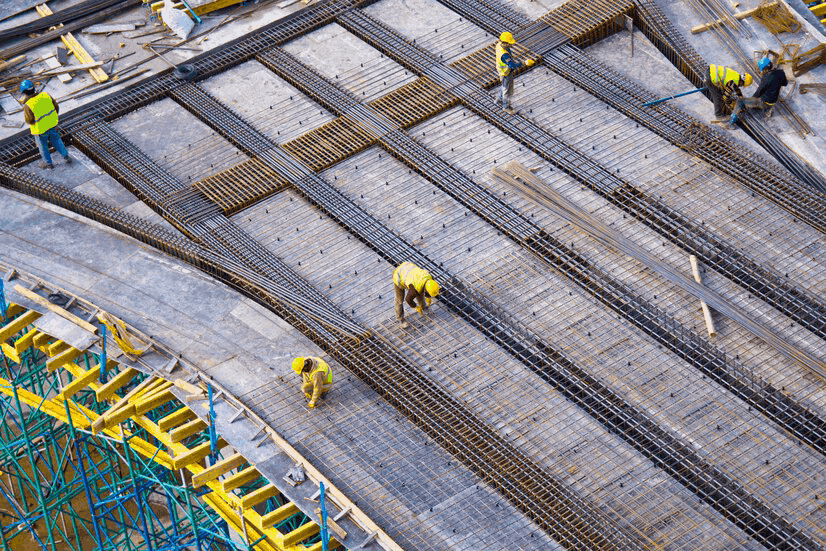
x,y
634,426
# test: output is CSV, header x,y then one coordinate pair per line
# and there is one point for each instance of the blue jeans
x,y
506,90
53,136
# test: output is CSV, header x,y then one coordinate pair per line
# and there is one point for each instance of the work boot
x,y
45,165
510,110
404,325
68,160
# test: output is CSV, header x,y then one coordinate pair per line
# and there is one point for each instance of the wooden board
x,y
80,52
52,63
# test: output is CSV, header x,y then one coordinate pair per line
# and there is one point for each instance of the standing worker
x,y
771,81
316,376
418,284
724,87
40,111
505,64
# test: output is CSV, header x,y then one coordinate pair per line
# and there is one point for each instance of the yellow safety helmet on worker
x,y
507,38
298,365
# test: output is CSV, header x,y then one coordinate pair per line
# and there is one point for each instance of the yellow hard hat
x,y
298,364
747,79
507,37
432,287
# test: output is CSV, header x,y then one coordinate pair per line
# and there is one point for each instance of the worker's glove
x,y
428,300
311,405
419,309
733,119
530,62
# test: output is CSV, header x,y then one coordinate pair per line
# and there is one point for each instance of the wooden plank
x,y
239,479
52,63
186,430
18,324
258,496
217,470
66,356
41,301
179,416
282,513
80,383
108,390
61,71
105,28
195,455
76,47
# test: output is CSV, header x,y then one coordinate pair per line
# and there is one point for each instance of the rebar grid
x,y
476,159
727,432
241,185
677,179
588,21
554,431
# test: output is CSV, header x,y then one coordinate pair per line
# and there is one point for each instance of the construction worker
x,y
723,86
418,284
316,376
771,81
40,111
506,65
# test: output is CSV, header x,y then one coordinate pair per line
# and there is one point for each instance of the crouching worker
x,y
316,375
771,81
723,86
417,283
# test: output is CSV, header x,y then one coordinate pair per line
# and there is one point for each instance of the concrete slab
x,y
270,104
343,57
433,26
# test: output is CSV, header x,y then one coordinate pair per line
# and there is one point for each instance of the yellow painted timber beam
x,y
301,533
15,353
80,383
258,496
282,513
239,479
80,52
69,355
819,10
18,324
13,308
195,454
108,389
56,348
179,434
176,418
221,468
156,399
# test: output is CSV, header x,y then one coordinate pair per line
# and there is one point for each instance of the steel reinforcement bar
x,y
798,304
19,149
653,321
571,516
634,426
561,513
683,130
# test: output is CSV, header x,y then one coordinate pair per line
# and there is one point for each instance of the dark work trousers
x,y
716,95
400,302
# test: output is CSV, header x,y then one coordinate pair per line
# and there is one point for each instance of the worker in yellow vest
x,y
417,283
723,86
506,65
316,376
40,111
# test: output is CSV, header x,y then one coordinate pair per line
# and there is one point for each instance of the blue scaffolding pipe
x,y
3,309
102,358
213,435
325,537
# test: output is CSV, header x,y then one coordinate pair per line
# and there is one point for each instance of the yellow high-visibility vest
x,y
323,368
409,274
720,75
45,114
501,66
